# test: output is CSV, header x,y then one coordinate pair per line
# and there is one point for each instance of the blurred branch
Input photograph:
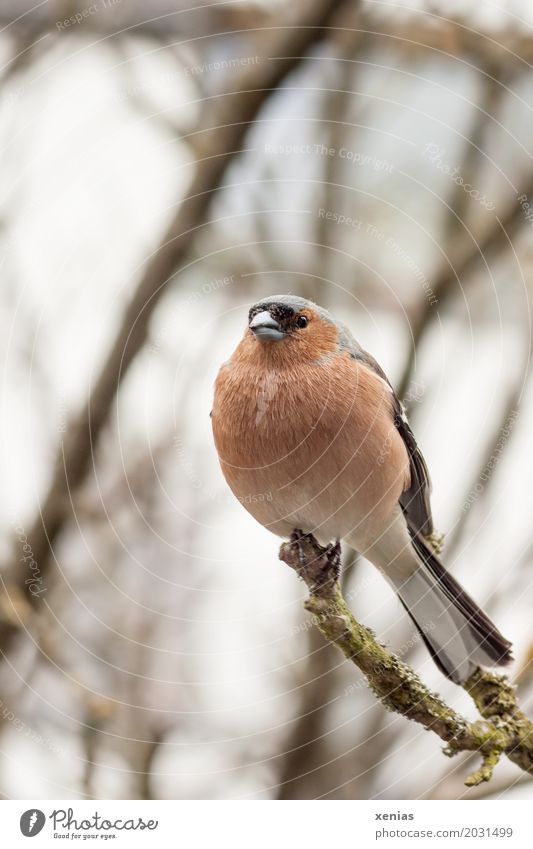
x,y
498,441
487,249
504,730
302,760
464,255
426,33
218,140
96,714
336,102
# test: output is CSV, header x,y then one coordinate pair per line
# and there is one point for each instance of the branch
x,y
503,729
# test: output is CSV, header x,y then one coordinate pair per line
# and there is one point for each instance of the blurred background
x,y
161,170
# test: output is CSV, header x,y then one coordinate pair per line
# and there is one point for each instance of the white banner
x,y
267,825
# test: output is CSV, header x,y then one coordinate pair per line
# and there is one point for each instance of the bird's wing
x,y
415,501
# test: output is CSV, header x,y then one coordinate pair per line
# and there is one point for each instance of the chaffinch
x,y
310,435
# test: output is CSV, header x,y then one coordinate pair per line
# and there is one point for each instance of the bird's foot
x,y
333,552
317,565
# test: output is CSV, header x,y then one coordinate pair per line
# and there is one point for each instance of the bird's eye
x,y
302,321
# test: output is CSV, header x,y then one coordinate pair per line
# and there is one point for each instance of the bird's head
x,y
286,326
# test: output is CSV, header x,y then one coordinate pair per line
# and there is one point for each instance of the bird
x,y
310,435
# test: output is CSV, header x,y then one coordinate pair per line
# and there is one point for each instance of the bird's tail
x,y
458,634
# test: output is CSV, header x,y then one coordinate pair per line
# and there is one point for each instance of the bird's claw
x,y
333,553
298,543
317,565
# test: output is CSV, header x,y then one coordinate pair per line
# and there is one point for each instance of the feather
x,y
415,499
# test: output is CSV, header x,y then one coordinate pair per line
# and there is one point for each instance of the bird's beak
x,y
266,327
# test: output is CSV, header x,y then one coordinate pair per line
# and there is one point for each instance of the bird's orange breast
x,y
311,441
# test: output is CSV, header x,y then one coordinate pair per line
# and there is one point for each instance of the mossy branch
x,y
502,729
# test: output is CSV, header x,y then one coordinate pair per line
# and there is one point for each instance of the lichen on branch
x,y
502,728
